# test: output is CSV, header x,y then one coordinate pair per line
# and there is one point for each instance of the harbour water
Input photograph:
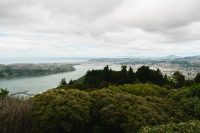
x,y
35,85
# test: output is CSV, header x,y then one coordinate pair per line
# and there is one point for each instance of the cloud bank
x,y
99,28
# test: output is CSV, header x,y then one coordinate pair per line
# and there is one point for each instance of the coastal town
x,y
39,69
188,66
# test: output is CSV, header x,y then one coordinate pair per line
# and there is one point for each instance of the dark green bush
x,y
118,109
183,127
3,92
141,89
123,112
121,109
188,99
61,111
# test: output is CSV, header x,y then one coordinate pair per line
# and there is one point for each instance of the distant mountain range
x,y
191,59
171,58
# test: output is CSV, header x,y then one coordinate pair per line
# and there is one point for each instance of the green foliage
x,y
105,77
63,82
197,78
59,111
106,74
179,79
189,82
116,109
123,74
131,75
145,74
71,82
102,78
123,112
4,92
188,99
183,127
120,108
141,89
194,91
93,78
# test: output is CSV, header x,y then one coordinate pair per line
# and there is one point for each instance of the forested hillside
x,y
103,78
123,101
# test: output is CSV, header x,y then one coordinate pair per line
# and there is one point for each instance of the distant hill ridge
x,y
139,59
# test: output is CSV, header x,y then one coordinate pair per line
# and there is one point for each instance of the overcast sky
x,y
99,28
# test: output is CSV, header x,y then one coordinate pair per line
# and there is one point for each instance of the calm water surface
x,y
40,84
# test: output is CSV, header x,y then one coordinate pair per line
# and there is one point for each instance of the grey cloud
x,y
85,9
96,26
159,15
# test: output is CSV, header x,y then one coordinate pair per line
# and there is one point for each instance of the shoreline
x,y
21,77
35,70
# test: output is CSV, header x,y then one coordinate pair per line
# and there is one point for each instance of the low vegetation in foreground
x,y
183,127
128,107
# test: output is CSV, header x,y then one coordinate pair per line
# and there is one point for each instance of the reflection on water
x,y
40,84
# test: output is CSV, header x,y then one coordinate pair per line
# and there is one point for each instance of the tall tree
x,y
3,93
71,82
197,78
63,82
157,77
93,78
123,75
131,75
179,79
106,74
143,74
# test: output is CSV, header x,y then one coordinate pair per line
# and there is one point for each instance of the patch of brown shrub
x,y
14,115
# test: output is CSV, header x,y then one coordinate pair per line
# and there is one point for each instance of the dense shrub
x,y
105,110
141,89
197,78
61,111
14,115
183,127
179,79
188,99
122,112
145,74
3,93
121,109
